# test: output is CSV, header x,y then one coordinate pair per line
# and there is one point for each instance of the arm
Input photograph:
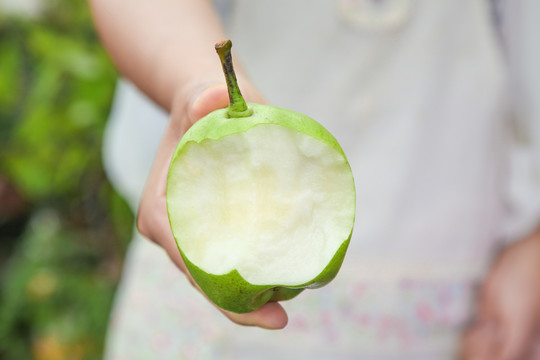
x,y
508,311
166,47
161,46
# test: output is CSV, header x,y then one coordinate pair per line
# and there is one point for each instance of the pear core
x,y
272,203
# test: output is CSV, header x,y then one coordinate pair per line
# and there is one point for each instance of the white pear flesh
x,y
271,202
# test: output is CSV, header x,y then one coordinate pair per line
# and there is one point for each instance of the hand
x,y
152,220
508,312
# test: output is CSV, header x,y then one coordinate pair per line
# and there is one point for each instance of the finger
x,y
212,98
481,338
162,232
215,97
517,338
534,351
270,316
480,342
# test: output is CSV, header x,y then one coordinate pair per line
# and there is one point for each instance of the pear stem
x,y
237,104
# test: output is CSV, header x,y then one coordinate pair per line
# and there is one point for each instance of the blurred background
x,y
63,230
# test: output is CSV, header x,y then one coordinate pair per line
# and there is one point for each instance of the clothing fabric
x,y
417,94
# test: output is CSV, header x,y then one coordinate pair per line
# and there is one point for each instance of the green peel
x,y
231,291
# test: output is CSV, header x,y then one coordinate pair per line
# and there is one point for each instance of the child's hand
x,y
508,314
152,220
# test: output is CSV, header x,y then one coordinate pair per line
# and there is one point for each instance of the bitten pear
x,y
261,201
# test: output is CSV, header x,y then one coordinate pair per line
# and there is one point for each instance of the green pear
x,y
261,201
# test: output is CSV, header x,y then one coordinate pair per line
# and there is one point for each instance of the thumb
x,y
204,99
270,316
210,99
210,96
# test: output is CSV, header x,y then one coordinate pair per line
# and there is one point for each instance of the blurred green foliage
x,y
58,271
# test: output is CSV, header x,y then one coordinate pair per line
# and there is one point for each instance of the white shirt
x,y
417,94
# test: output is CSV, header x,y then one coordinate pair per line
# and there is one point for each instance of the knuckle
x,y
141,223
